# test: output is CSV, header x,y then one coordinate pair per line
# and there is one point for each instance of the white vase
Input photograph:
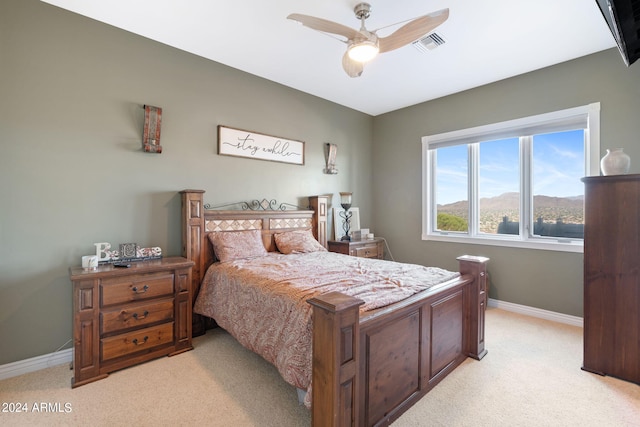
x,y
615,162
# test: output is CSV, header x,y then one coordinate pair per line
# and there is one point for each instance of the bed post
x,y
476,297
192,227
335,360
319,206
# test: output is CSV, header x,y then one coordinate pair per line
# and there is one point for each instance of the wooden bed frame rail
x,y
369,369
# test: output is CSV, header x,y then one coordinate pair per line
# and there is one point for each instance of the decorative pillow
x,y
299,241
232,245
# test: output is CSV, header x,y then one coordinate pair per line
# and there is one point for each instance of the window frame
x,y
589,118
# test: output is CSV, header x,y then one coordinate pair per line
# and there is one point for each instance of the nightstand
x,y
125,316
366,248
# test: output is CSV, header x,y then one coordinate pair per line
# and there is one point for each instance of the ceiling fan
x,y
363,45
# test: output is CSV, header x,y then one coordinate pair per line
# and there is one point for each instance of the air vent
x,y
429,42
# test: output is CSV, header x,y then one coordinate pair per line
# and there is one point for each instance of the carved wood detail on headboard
x,y
198,221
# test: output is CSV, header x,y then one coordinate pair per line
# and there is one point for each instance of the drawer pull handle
x,y
145,314
145,288
144,341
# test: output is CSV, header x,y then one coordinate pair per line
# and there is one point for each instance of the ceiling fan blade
x,y
325,26
413,30
351,67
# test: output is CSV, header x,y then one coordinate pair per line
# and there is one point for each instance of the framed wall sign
x,y
244,143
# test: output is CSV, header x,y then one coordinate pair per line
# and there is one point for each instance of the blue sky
x,y
558,165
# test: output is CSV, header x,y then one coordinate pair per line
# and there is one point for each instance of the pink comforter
x,y
262,301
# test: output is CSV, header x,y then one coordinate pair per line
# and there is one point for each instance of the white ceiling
x,y
486,41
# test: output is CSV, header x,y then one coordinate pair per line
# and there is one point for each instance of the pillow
x,y
299,241
232,245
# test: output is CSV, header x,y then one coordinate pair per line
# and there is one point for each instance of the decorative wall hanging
x,y
243,143
151,132
330,152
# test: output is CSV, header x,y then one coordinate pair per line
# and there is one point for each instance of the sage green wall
x,y
72,172
536,278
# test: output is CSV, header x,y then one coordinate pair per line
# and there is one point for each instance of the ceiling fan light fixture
x,y
363,51
363,45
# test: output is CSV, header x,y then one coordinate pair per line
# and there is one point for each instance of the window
x,y
515,183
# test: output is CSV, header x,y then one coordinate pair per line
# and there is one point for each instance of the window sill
x,y
541,244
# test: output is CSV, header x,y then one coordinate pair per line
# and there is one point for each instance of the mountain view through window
x,y
553,188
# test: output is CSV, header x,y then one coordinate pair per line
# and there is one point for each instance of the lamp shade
x,y
345,200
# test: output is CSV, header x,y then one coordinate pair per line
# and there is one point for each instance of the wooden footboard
x,y
368,371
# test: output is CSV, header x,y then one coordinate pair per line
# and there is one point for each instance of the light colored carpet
x,y
530,377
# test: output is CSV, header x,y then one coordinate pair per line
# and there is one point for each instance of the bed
x,y
364,364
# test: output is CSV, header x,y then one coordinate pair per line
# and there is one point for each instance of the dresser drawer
x,y
140,340
369,251
119,290
132,316
369,248
126,316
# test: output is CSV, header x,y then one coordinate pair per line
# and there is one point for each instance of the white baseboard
x,y
536,312
35,363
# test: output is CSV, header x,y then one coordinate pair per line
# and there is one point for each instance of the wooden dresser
x,y
612,276
125,316
367,248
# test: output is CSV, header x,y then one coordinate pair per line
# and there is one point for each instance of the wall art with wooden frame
x,y
252,145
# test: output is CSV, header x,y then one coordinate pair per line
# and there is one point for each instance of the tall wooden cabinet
x,y
612,276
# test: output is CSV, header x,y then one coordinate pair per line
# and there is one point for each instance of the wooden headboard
x,y
197,222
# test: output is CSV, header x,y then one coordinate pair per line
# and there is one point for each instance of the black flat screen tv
x,y
623,19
